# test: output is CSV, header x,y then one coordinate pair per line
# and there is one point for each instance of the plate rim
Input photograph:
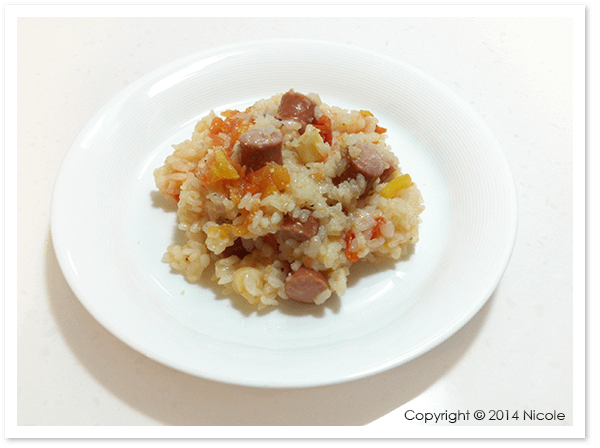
x,y
79,289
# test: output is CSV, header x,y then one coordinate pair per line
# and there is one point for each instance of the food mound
x,y
285,196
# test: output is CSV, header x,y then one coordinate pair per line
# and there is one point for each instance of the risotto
x,y
281,199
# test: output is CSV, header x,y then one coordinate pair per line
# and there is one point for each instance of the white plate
x,y
110,226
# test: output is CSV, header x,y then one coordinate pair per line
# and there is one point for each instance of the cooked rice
x,y
353,224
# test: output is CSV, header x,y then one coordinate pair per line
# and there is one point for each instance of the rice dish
x,y
281,199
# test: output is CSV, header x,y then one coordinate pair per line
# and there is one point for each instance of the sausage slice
x,y
297,230
259,148
387,174
298,107
370,163
305,284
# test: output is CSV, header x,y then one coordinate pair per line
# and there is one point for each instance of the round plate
x,y
110,225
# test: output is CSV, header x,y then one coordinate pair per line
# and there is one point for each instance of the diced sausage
x,y
305,284
259,148
298,107
370,163
387,174
297,230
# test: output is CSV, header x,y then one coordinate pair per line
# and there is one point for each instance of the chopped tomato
x,y
377,229
351,256
233,126
267,180
217,127
323,124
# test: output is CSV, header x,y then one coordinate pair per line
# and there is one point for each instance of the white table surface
x,y
515,354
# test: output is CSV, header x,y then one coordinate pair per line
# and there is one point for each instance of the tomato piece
x,y
217,127
351,256
377,229
267,180
233,126
323,124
